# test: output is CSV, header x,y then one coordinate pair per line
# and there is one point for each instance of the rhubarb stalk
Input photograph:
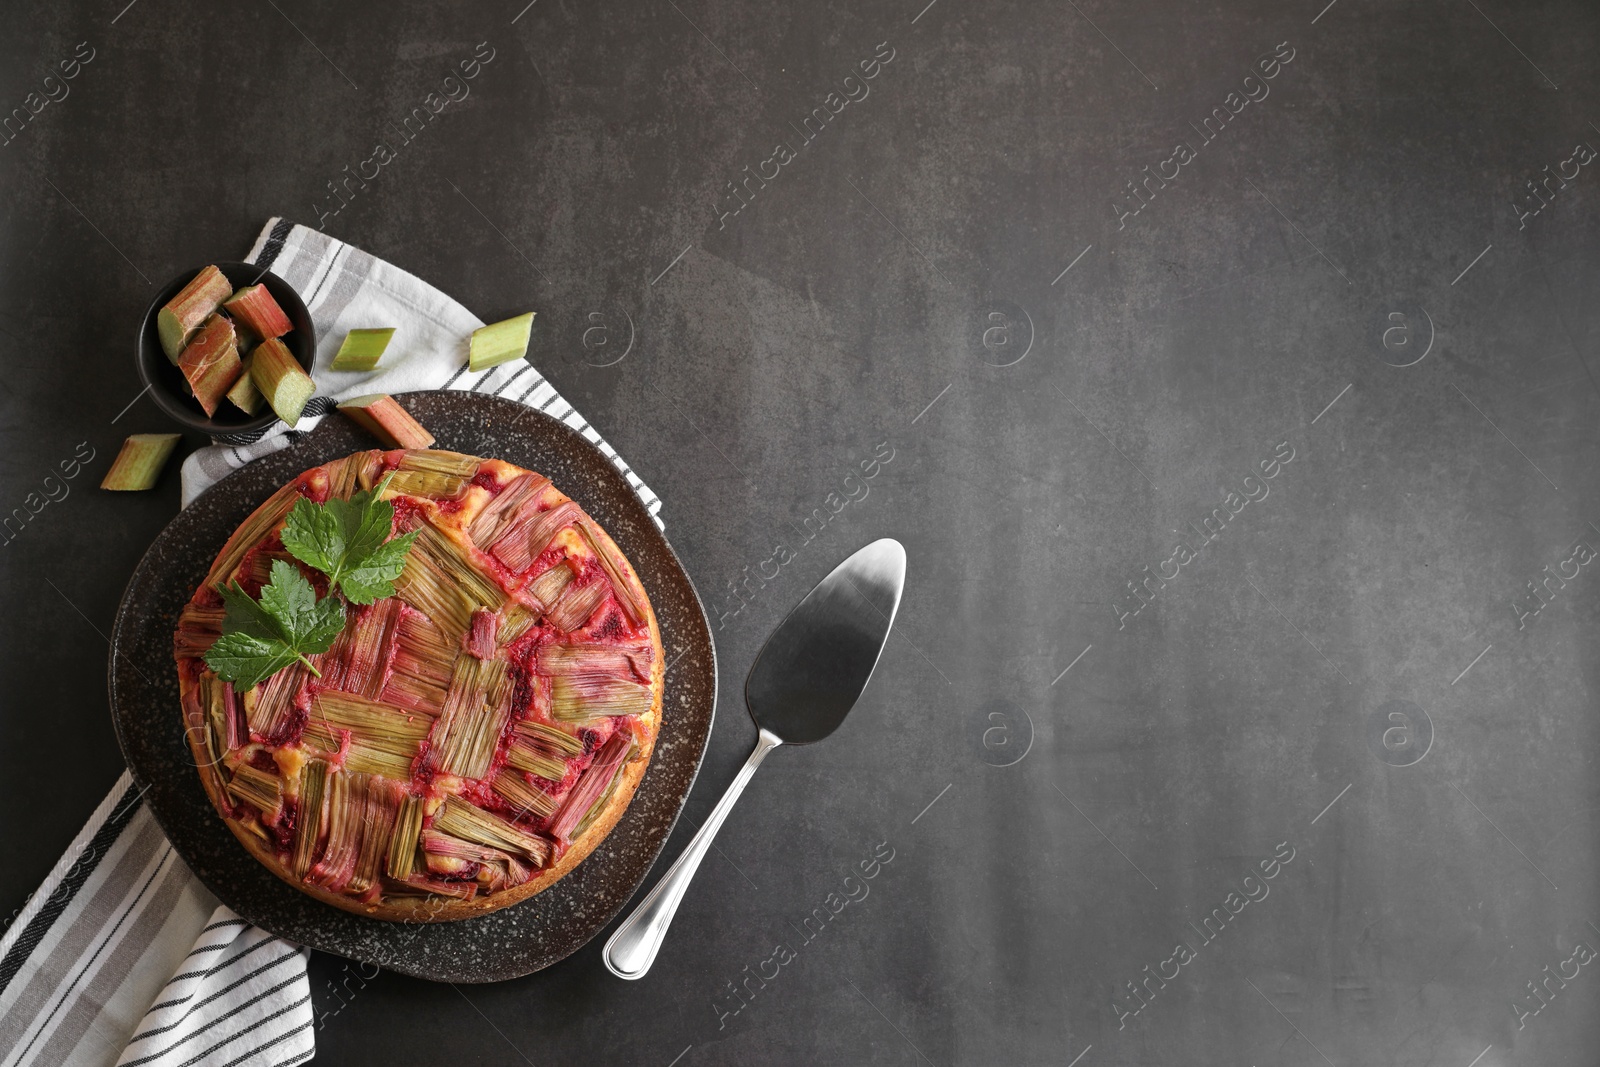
x,y
281,379
542,750
505,507
382,416
526,800
254,307
480,639
499,343
595,782
618,660
402,857
587,698
210,363
460,819
474,715
420,674
260,790
362,349
345,805
444,586
577,604
244,395
438,474
526,535
375,738
308,832
139,463
547,588
383,803
183,314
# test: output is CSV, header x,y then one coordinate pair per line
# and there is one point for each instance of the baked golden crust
x,y
414,779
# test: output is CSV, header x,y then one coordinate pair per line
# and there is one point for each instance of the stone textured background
x,y
898,287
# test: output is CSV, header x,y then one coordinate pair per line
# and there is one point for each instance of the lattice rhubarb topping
x,y
458,745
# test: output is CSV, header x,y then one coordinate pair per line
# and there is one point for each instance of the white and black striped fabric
x,y
241,995
122,957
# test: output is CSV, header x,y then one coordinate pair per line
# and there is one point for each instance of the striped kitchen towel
x,y
123,953
122,956
344,288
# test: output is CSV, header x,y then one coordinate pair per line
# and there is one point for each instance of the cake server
x,y
804,682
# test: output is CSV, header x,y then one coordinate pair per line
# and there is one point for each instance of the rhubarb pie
x,y
460,745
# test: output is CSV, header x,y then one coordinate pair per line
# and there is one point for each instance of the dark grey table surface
x,y
1062,378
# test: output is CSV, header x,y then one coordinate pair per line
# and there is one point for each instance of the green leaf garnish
x,y
246,660
292,602
287,624
348,540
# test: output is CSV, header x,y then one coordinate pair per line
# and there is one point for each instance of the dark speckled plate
x,y
505,944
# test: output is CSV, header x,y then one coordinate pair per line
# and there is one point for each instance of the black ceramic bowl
x,y
166,383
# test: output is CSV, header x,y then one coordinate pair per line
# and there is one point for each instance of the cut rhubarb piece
x,y
374,738
383,803
499,343
615,565
139,463
526,801
272,707
596,781
262,521
587,698
420,674
439,582
244,394
438,474
444,887
516,619
548,586
577,604
281,380
345,805
454,857
481,633
254,307
529,531
382,416
506,507
257,788
542,750
184,313
356,663
198,628
362,349
474,715
460,819
620,660
313,817
402,857
211,364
